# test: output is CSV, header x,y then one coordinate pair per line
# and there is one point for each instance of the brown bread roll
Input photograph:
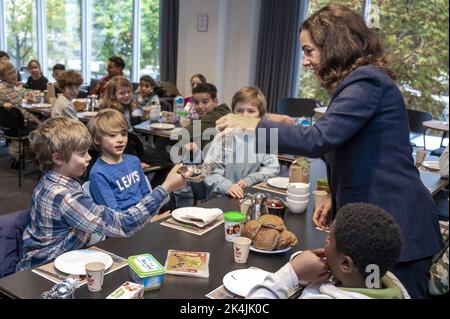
x,y
266,238
286,239
251,228
272,221
79,106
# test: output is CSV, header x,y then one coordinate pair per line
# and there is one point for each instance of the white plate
x,y
432,165
87,114
241,281
270,251
162,126
278,182
73,261
211,214
41,105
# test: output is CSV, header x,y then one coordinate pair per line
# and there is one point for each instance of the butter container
x,y
147,271
128,290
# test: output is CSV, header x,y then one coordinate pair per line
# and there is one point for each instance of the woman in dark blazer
x,y
363,137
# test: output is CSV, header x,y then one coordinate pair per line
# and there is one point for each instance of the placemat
x,y
48,271
266,187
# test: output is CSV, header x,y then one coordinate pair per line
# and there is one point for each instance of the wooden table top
x,y
436,125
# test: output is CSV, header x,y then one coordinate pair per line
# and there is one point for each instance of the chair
x,y
415,120
93,84
297,107
12,124
12,226
136,147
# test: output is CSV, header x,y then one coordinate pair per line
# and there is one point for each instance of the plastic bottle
x,y
178,106
42,98
155,112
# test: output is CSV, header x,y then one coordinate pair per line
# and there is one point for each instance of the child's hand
x,y
236,191
174,180
311,266
191,147
144,165
7,105
242,184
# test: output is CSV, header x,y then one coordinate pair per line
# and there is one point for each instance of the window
x,y
110,24
64,34
149,39
416,37
112,34
21,33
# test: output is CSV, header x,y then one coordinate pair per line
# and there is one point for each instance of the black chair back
x,y
296,107
12,226
134,146
11,118
416,119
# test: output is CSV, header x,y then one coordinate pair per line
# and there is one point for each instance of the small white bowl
x,y
298,198
298,188
296,207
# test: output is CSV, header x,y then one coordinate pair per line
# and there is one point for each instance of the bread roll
x,y
266,238
272,221
251,228
286,239
79,106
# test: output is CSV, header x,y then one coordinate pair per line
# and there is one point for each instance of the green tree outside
x,y
416,38
112,26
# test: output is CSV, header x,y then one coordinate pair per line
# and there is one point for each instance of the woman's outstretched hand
x,y
322,214
233,121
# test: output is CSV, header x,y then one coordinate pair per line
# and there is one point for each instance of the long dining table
x,y
157,239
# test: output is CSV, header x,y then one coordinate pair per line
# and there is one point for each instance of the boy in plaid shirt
x,y
63,217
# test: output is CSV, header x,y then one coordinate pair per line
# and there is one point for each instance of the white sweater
x,y
278,284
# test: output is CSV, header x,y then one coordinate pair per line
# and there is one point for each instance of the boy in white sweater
x,y
240,166
363,244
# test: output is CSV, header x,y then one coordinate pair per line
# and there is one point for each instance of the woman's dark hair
x,y
345,43
34,61
199,76
148,79
4,54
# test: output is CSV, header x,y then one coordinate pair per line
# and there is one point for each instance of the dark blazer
x,y
364,139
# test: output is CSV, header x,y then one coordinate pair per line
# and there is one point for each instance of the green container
x,y
234,217
234,223
147,271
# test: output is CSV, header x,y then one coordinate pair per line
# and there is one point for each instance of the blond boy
x,y
63,217
116,179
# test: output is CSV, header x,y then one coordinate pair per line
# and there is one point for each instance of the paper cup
x,y
95,272
244,205
319,196
241,247
420,156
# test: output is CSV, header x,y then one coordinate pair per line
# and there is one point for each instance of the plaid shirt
x,y
63,218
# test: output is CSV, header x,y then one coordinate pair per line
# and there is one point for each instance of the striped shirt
x,y
63,218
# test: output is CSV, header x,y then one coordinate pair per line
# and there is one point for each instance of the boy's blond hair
x,y
253,95
106,121
60,135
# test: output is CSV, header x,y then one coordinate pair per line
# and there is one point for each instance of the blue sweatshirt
x,y
118,186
